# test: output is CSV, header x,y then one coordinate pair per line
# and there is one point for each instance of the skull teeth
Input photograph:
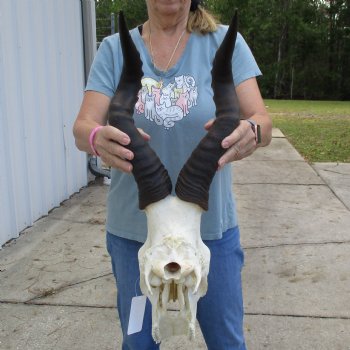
x,y
173,291
181,297
172,296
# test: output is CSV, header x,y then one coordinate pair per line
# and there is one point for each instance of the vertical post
x,y
112,23
89,33
292,84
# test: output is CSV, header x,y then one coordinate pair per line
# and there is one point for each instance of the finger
x,y
229,156
238,151
115,149
115,134
234,137
145,136
122,165
116,162
111,140
209,124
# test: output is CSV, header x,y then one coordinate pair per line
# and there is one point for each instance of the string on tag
x,y
138,279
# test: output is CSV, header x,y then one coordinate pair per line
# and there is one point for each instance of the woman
x,y
177,45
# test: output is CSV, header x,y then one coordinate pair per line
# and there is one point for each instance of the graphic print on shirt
x,y
167,104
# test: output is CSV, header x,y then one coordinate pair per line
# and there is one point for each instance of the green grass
x,y
319,130
310,108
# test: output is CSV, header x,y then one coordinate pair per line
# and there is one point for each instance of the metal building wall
x,y
41,87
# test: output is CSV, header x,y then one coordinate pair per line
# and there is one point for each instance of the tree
x,y
301,46
135,12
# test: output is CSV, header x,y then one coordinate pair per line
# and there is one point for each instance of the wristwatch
x,y
256,129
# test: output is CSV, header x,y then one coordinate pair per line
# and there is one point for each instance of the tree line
x,y
301,46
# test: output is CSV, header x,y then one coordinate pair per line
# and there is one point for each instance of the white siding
x,y
41,87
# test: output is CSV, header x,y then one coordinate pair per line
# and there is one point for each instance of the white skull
x,y
174,265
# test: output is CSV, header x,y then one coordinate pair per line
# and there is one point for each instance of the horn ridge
x,y
195,177
150,174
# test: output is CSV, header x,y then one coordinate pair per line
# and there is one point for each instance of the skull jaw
x,y
168,321
173,239
174,323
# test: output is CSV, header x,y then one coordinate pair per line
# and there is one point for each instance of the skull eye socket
x,y
172,267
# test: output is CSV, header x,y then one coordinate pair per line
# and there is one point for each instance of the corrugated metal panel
x,y
41,87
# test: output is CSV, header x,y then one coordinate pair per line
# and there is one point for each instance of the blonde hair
x,y
201,21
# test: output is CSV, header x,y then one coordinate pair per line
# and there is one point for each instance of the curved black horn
x,y
197,174
152,178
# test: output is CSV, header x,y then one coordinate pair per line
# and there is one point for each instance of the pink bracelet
x,y
92,138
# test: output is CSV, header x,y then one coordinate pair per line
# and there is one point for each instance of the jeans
x,y
219,312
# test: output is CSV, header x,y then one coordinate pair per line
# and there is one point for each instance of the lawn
x,y
319,130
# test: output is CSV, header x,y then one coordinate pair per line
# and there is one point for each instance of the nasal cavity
x,y
172,267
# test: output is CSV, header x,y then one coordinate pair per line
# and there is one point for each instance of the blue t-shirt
x,y
172,108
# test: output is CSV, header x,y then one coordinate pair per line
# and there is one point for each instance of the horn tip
x,y
121,19
235,15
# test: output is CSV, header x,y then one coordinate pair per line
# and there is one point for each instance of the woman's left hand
x,y
240,143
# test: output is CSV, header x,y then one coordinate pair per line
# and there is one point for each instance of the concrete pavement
x,y
57,291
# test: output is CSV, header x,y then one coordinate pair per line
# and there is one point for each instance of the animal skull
x,y
174,261
174,265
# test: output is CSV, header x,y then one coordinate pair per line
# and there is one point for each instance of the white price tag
x,y
137,312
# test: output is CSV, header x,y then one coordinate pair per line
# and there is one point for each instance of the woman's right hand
x,y
110,144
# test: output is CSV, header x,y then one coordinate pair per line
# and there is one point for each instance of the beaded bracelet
x,y
92,138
